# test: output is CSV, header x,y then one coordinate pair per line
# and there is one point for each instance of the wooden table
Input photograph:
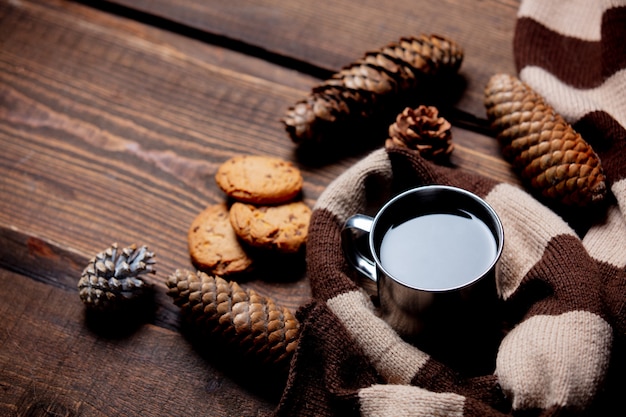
x,y
113,119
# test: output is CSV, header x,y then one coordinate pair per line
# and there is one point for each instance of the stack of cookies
x,y
266,216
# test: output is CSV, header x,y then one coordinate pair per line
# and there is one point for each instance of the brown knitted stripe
x,y
362,188
577,62
537,45
608,139
613,35
559,278
410,170
478,408
613,289
529,227
327,369
606,241
437,377
326,264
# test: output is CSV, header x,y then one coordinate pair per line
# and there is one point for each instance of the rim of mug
x,y
489,209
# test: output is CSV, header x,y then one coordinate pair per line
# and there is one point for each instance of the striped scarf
x,y
559,343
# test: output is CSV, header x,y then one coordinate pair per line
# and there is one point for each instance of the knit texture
x,y
555,343
572,53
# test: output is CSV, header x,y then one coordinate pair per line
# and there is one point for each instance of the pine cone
x,y
241,317
113,277
423,130
548,153
363,87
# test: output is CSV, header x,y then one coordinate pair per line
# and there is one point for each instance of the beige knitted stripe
x,y
606,242
576,18
619,191
554,360
408,401
528,228
396,360
573,103
346,195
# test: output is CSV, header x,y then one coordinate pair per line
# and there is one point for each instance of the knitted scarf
x,y
557,333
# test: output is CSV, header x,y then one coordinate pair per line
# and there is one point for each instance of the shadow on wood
x,y
263,379
124,321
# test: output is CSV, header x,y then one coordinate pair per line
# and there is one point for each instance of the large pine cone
x,y
423,130
547,152
362,88
243,318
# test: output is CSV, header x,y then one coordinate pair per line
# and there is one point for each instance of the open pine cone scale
x,y
252,323
423,130
548,153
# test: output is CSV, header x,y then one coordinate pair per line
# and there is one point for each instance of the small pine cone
x,y
548,153
113,277
423,130
363,87
240,317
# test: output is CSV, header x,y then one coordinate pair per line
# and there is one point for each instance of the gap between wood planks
x,y
457,117
209,38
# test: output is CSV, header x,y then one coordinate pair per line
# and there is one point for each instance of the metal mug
x,y
427,245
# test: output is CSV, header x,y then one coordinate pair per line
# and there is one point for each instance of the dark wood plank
x,y
96,151
111,134
330,34
59,266
51,363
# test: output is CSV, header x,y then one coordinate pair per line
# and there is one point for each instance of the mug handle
x,y
362,225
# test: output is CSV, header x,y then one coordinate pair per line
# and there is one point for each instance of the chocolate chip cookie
x,y
213,244
282,228
259,179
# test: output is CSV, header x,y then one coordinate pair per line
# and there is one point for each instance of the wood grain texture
x,y
53,364
105,143
111,130
330,34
